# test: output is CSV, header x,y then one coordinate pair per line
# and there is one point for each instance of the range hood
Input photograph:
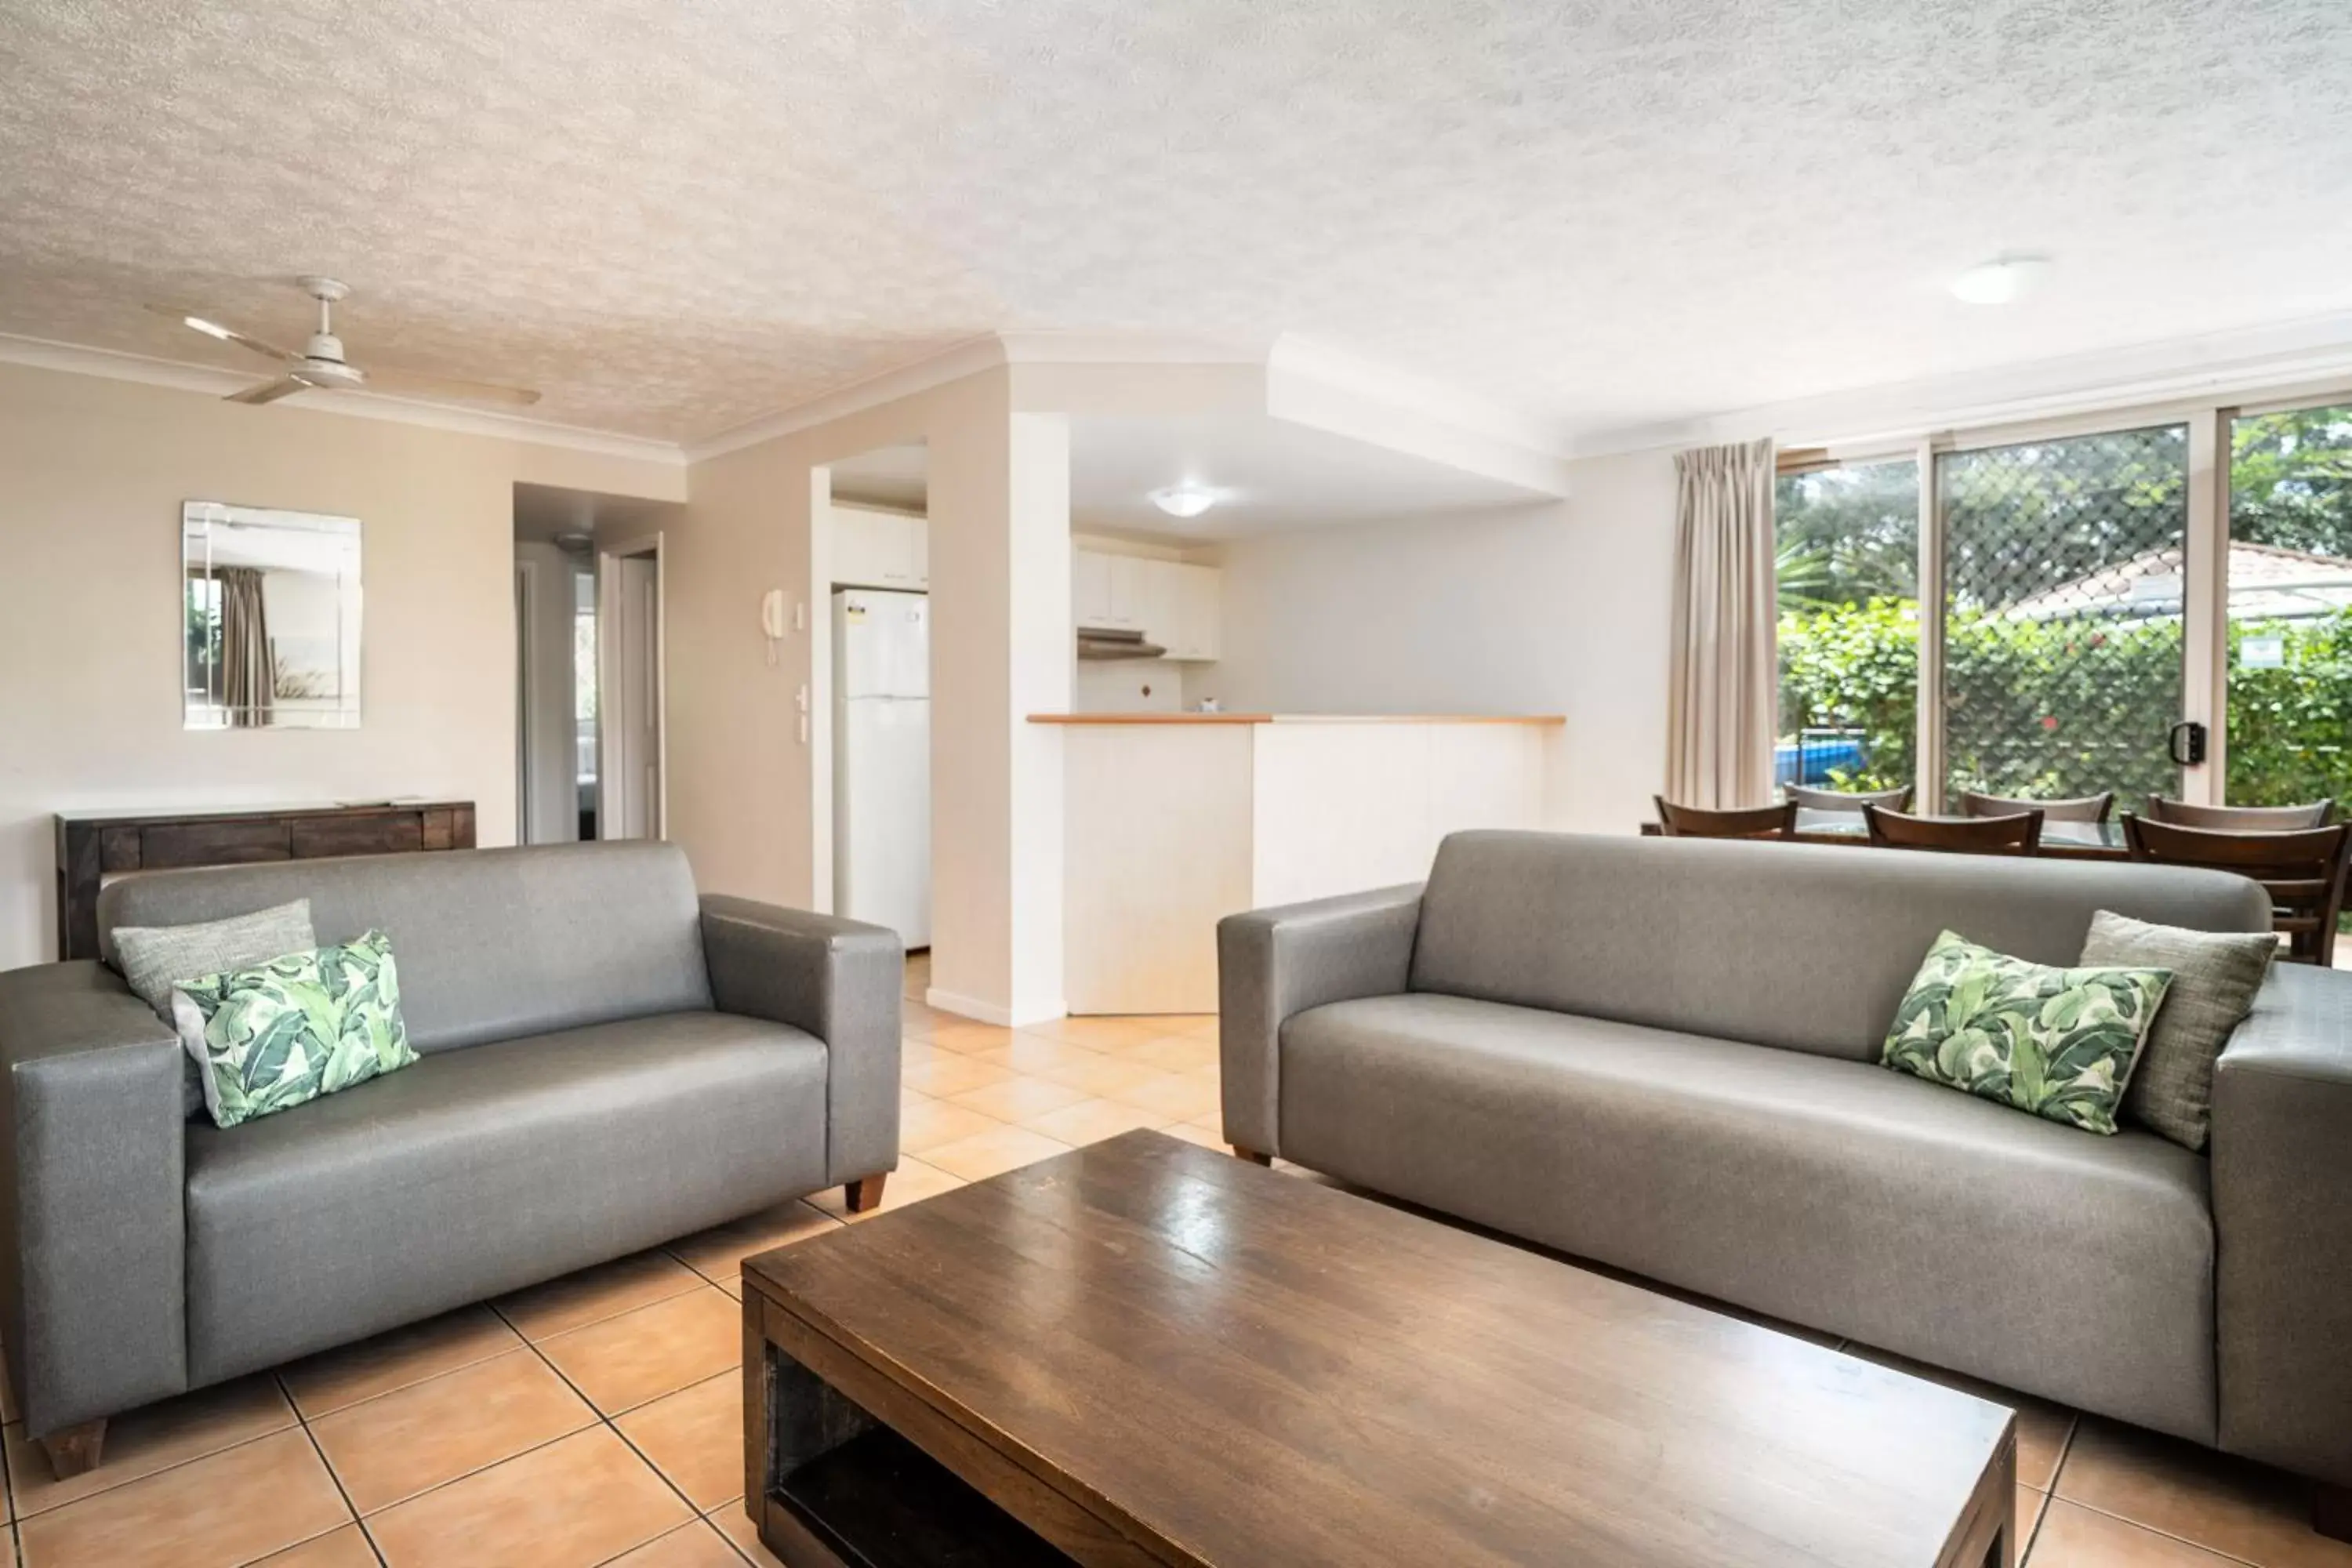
x,y
1103,643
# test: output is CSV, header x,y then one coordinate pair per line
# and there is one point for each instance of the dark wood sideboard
x,y
95,844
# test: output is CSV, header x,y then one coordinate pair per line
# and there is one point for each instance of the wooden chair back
x,y
2303,870
2018,834
2241,818
1757,822
1849,800
2077,808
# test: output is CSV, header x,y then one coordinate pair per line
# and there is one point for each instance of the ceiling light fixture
x,y
2000,280
1184,501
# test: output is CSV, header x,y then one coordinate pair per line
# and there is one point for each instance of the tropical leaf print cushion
x,y
2060,1043
294,1029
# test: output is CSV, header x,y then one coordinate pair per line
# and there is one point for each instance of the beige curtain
x,y
248,675
1724,686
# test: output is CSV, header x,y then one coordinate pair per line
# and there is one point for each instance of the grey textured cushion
x,y
1832,1193
2215,977
1800,945
153,959
480,1170
493,943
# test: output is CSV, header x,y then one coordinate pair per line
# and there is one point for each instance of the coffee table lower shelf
x,y
878,1502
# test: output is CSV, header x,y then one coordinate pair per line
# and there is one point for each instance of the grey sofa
x,y
1661,1055
608,1062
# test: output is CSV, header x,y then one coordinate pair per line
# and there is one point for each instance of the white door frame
x,y
526,662
608,587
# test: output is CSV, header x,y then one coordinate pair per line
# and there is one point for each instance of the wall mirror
x,y
270,611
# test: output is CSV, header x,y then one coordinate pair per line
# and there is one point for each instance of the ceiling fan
x,y
320,366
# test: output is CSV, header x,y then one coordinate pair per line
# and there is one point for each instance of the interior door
x,y
629,705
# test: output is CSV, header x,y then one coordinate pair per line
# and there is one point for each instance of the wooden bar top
x,y
1297,718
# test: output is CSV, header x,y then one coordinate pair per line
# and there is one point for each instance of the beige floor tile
x,y
911,1183
9,1411
695,1545
695,1436
1032,1053
2029,1504
937,1122
962,1035
219,1511
1173,1097
718,1253
1017,1099
604,1291
1205,1029
732,1284
910,1096
1194,1133
1171,1053
990,1153
736,1526
916,1021
344,1548
953,1075
8,1550
153,1438
2072,1536
389,1449
346,1376
1102,1077
580,1500
2231,1507
1170,1023
1091,1121
1099,1032
919,1054
623,1361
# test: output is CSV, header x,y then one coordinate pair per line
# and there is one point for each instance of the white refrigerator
x,y
882,761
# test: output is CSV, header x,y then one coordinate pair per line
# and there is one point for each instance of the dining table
x,y
2075,840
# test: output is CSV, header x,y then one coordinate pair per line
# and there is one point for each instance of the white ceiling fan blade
x,y
416,383
269,391
199,322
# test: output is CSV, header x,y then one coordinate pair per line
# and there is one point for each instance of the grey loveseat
x,y
608,1062
1661,1055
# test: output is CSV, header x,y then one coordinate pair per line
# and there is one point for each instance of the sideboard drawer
x,y
165,846
391,833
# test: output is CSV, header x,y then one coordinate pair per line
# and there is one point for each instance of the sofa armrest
x,y
2283,1224
92,1196
1272,964
839,979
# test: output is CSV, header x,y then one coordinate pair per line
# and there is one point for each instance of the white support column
x,y
1001,650
1928,749
2205,603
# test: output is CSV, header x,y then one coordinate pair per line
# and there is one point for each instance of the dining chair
x,y
1755,822
2074,808
2302,869
1849,800
2020,834
2240,818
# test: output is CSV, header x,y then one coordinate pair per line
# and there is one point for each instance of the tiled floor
x,y
598,1419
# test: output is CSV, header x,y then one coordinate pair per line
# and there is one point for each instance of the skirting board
x,y
989,1012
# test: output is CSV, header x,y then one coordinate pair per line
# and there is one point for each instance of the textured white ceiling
x,y
677,219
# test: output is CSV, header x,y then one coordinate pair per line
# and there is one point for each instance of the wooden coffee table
x,y
1148,1352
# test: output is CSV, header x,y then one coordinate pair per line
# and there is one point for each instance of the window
x,y
1848,557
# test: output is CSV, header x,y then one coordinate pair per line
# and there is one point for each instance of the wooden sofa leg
x,y
75,1448
1252,1156
2331,1510
864,1193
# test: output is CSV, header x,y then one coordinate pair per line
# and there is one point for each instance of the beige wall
x,y
92,475
1559,607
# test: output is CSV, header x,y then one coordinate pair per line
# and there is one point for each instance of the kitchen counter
x,y
1173,821
1296,719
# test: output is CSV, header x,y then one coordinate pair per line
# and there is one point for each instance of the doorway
x,y
590,672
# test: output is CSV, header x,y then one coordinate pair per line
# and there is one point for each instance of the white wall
x,y
92,475
1559,607
554,808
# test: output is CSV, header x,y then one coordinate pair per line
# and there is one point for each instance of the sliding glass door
x,y
2289,622
2064,577
1848,561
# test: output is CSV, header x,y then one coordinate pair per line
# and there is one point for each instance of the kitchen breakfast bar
x,y
1176,820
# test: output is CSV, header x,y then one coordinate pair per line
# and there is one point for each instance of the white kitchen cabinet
x,y
1186,605
880,549
1090,589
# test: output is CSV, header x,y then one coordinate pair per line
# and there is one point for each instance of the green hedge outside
x,y
2070,706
